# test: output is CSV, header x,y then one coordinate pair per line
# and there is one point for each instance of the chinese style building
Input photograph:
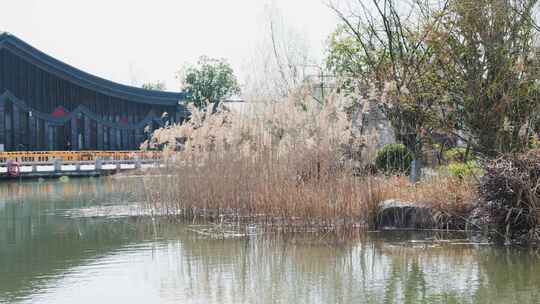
x,y
46,104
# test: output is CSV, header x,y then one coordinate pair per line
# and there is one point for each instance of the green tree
x,y
154,86
489,71
442,66
383,47
209,81
345,55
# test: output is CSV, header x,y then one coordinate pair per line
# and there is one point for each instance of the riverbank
x,y
299,165
273,193
311,193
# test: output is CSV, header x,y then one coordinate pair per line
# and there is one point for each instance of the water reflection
x,y
47,255
50,190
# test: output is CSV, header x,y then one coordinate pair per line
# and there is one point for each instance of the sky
x,y
138,41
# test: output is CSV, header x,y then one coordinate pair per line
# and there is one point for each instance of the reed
x,y
293,165
289,193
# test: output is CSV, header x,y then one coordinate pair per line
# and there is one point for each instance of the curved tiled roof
x,y
83,79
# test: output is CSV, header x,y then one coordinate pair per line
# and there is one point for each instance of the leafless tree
x,y
280,60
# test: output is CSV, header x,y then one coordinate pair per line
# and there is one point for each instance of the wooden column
x,y
3,124
106,140
46,136
16,128
74,134
8,132
32,133
119,139
139,137
87,134
125,140
112,139
39,140
99,136
129,134
134,139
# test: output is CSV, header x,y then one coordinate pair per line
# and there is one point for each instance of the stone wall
x,y
372,123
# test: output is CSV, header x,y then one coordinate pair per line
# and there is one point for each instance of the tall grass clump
x,y
393,158
296,164
292,163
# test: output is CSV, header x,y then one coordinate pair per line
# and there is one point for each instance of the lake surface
x,y
80,241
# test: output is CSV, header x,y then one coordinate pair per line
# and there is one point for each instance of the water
x,y
80,242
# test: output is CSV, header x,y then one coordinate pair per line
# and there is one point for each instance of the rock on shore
x,y
399,214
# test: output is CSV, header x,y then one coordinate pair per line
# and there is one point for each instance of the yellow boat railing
x,y
48,156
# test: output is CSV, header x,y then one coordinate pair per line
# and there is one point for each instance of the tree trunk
x,y
416,164
416,169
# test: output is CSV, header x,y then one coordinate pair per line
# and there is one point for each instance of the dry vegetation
x,y
293,165
511,190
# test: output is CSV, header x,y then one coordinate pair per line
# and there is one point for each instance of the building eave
x,y
65,71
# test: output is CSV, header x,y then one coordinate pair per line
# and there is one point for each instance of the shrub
x,y
534,142
510,189
393,158
464,170
455,154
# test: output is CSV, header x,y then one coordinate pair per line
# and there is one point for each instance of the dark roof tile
x,y
89,81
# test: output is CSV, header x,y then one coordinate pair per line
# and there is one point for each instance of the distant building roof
x,y
36,57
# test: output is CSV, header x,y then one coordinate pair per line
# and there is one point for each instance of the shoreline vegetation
x,y
456,91
299,165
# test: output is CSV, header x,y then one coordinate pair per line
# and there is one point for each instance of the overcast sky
x,y
135,41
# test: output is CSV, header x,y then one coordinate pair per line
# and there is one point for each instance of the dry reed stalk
x,y
450,199
271,193
449,194
282,165
289,165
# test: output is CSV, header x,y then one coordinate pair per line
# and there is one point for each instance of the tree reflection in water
x,y
49,256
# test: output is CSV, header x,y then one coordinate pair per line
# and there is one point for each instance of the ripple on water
x,y
51,253
107,212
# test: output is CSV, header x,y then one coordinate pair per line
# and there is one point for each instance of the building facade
x,y
46,104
